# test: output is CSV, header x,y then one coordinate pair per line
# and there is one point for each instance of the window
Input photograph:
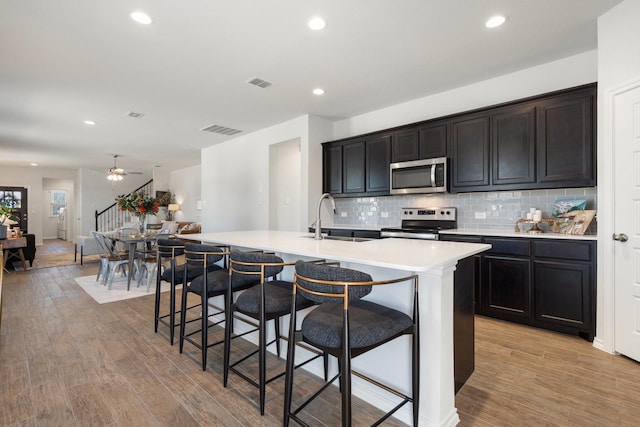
x,y
58,200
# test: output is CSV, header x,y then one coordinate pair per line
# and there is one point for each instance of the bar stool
x,y
346,326
167,251
209,285
270,300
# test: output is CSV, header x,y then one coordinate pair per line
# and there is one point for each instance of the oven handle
x,y
421,236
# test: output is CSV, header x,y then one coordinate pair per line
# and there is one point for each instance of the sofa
x,y
29,252
87,245
179,227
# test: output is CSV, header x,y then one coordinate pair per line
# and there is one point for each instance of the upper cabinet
x,y
426,141
470,152
566,135
546,141
358,166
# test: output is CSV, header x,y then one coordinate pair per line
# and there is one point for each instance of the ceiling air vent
x,y
221,130
134,114
260,83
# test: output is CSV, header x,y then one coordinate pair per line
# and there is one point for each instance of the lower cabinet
x,y
542,282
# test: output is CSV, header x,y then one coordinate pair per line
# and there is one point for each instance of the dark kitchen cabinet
x,y
513,146
566,134
469,153
505,289
426,141
564,279
378,158
353,167
546,141
405,146
541,282
357,167
332,168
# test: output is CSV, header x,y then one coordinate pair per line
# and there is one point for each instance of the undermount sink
x,y
343,238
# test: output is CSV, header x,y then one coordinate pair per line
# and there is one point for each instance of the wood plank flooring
x,y
68,361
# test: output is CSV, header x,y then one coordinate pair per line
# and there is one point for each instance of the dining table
x,y
131,242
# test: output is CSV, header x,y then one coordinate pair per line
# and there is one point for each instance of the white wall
x,y
618,66
561,74
185,186
235,174
96,193
284,186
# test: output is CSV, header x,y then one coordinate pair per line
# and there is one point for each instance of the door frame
x,y
605,311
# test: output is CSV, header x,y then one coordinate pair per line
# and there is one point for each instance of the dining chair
x,y
116,261
345,325
104,257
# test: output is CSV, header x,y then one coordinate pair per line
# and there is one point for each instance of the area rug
x,y
118,291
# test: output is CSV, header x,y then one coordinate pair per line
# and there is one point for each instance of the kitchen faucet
x,y
318,235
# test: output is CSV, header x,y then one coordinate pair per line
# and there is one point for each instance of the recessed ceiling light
x,y
89,122
317,23
141,18
495,21
318,91
33,164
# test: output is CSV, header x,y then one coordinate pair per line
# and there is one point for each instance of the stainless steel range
x,y
422,223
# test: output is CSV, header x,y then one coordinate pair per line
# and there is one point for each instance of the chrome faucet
x,y
318,235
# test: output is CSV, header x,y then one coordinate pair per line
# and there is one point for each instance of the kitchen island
x,y
434,262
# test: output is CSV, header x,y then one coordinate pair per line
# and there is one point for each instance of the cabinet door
x,y
563,294
353,167
470,153
332,168
566,148
433,139
378,158
506,287
513,134
404,147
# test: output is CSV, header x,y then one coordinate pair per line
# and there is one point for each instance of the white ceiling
x,y
66,61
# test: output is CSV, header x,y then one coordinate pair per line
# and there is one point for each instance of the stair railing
x,y
112,217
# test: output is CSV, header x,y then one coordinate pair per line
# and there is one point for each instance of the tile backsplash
x,y
491,210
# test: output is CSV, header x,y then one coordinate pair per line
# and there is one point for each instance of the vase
x,y
142,224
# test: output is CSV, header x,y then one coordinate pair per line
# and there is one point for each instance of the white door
x,y
626,140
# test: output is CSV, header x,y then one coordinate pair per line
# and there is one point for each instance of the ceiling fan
x,y
116,173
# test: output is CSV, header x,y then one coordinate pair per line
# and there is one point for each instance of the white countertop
x,y
511,233
400,254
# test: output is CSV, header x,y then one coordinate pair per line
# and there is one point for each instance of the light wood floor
x,y
68,361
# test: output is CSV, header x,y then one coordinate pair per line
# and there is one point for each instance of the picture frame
x,y
163,197
580,221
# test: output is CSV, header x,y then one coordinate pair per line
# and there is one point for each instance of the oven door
x,y
419,176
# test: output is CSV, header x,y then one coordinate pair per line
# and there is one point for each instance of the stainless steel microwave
x,y
419,176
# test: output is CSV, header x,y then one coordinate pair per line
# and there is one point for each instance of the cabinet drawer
x,y
511,247
577,251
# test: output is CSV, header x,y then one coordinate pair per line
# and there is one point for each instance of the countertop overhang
x,y
399,254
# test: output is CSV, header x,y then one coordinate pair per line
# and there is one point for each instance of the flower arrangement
x,y
138,203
